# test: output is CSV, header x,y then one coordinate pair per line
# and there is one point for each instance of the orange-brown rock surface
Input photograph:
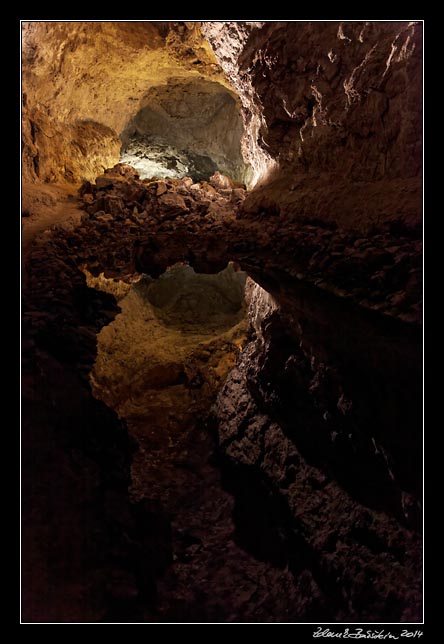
x,y
335,113
332,111
84,82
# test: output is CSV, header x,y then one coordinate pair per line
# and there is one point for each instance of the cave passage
x,y
186,128
221,354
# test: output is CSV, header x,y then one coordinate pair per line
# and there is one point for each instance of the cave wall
x,y
80,555
299,444
331,111
318,426
199,117
83,83
337,106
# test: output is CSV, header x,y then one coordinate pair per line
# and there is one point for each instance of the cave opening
x,y
186,128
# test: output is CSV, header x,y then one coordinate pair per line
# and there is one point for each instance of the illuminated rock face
x,y
338,107
200,123
331,111
84,83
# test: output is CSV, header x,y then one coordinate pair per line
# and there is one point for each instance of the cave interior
x,y
221,322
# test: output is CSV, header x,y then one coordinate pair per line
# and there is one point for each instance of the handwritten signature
x,y
360,633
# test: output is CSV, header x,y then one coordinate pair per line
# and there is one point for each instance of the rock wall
x,y
228,40
339,108
84,82
318,427
199,118
307,427
332,111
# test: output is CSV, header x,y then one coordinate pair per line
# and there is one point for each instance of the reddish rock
x,y
172,204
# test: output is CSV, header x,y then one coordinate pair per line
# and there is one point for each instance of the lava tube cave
x,y
221,322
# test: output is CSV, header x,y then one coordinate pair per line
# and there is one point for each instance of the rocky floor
x,y
242,515
154,157
379,270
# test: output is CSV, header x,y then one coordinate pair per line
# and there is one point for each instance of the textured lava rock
x,y
338,107
84,82
295,434
333,134
318,423
381,271
187,127
311,509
